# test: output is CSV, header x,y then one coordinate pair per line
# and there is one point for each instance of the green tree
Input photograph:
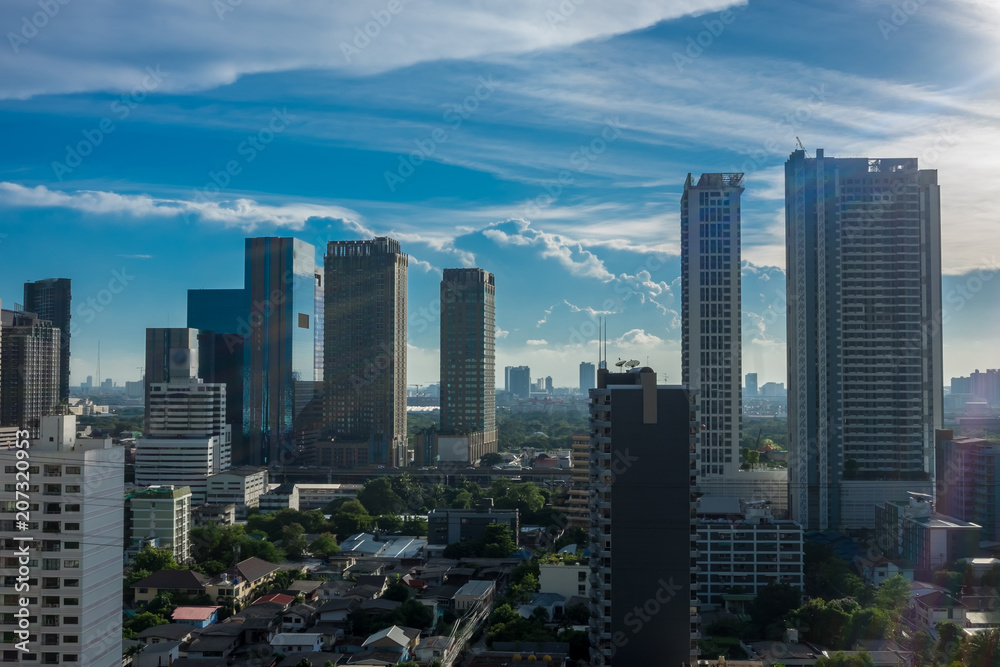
x,y
154,560
497,541
397,591
143,621
293,540
982,649
380,498
893,595
414,526
324,546
772,604
840,659
490,459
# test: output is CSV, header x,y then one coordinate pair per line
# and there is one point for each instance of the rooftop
x,y
193,613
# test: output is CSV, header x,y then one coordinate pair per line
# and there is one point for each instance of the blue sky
x,y
546,141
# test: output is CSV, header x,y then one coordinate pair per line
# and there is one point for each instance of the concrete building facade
x,y
74,586
864,334
51,300
643,477
365,342
161,517
30,351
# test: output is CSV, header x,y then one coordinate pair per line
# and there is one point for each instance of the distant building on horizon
x,y
588,376
751,387
468,365
364,368
51,299
864,335
520,381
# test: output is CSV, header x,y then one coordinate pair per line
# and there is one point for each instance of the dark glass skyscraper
x,y
51,300
864,334
281,386
468,361
364,365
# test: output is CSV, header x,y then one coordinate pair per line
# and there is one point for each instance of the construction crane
x,y
801,147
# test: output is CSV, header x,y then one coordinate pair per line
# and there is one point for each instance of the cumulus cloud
x,y
571,254
638,338
537,341
501,333
246,214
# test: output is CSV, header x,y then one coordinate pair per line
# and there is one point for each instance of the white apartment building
x,y
74,582
747,547
241,486
161,517
187,436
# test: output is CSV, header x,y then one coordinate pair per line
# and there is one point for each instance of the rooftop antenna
x,y
801,147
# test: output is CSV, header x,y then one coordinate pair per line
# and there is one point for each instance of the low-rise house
x,y
375,657
213,646
285,601
394,638
362,592
336,610
196,617
185,582
329,590
473,593
242,582
552,603
162,654
380,605
379,581
315,659
297,642
166,633
297,617
933,608
309,590
436,647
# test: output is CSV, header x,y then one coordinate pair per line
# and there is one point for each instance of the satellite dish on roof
x,y
632,363
620,363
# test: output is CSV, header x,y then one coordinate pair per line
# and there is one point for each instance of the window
x,y
71,620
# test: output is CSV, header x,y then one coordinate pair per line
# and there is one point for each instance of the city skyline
x,y
576,188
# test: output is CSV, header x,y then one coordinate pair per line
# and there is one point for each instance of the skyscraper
x,y
29,356
711,318
751,385
588,376
50,299
468,372
75,590
282,389
864,343
520,381
643,472
364,365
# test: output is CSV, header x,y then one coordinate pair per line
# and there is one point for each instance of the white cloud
x,y
201,44
571,254
501,333
638,338
536,341
246,214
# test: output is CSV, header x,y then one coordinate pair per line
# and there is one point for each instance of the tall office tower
x,y
29,356
588,376
642,594
187,437
50,299
520,381
751,390
75,590
711,319
468,360
365,333
506,379
281,385
864,334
